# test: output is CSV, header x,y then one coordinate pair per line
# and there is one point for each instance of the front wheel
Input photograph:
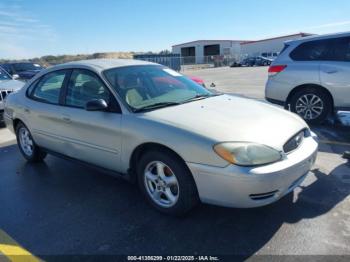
x,y
166,182
27,146
312,105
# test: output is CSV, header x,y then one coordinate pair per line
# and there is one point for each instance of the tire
x,y
30,151
320,105
183,188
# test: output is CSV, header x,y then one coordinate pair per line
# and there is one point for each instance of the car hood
x,y
11,85
231,118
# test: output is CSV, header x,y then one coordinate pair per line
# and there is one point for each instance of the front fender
x,y
191,147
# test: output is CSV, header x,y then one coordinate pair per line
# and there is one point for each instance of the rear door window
x,y
339,49
49,87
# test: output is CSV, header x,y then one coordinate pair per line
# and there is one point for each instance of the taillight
x,y
275,69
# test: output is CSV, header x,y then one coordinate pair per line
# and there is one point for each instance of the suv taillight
x,y
275,69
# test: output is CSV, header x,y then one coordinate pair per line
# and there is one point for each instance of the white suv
x,y
311,76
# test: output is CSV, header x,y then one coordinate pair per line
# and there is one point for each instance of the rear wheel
x,y
27,146
166,182
312,105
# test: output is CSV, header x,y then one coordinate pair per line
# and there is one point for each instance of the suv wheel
x,y
26,144
312,105
167,183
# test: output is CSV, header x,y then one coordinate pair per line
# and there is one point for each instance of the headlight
x,y
247,154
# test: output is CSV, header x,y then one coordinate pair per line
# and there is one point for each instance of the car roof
x,y
319,37
103,64
97,65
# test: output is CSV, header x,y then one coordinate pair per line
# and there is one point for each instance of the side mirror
x,y
96,105
15,76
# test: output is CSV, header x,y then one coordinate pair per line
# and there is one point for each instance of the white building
x,y
267,47
199,51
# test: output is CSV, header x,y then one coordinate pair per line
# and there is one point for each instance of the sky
x,y
33,28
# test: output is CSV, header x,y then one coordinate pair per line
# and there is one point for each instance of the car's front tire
x,y
312,104
166,182
30,151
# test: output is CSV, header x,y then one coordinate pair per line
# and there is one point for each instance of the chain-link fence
x,y
191,62
183,63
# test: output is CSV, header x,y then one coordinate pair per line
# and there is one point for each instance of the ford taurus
x,y
178,141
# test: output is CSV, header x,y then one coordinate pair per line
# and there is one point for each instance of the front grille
x,y
295,141
3,94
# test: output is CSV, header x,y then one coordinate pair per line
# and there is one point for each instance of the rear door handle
x,y
26,110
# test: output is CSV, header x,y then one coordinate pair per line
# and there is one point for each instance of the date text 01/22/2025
x,y
173,258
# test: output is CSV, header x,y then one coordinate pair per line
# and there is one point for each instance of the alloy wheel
x,y
26,141
161,184
309,106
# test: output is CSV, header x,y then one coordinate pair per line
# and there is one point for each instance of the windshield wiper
x,y
155,106
200,96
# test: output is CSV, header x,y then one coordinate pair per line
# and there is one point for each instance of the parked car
x,y
311,76
198,80
164,81
22,70
249,61
236,64
181,143
7,86
263,61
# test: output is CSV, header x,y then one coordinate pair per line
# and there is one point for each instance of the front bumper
x,y
245,187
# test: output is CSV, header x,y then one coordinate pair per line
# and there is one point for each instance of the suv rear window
x,y
311,51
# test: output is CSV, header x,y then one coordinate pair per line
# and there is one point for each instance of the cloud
x,y
20,31
330,25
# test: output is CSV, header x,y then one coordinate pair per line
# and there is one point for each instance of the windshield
x,y
26,66
147,86
4,75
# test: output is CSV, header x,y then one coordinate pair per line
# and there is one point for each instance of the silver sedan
x,y
178,141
